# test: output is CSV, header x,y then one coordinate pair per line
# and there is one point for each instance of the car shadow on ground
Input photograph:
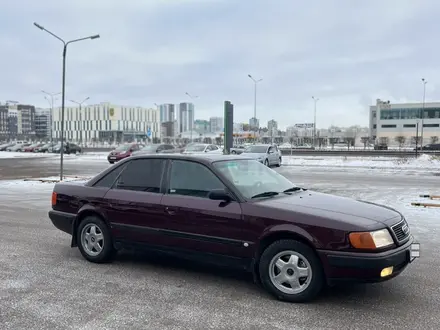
x,y
343,294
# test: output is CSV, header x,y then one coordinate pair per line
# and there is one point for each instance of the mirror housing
x,y
219,195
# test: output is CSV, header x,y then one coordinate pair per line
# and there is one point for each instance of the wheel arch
x,y
86,211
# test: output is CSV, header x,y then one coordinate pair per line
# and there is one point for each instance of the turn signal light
x,y
371,240
54,198
386,271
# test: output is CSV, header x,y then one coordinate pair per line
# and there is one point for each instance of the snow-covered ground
x,y
12,154
424,162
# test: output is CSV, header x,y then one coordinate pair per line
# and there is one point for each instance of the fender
x,y
292,229
85,209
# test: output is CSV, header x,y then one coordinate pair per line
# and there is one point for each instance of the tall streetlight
x,y
423,112
51,96
192,97
65,44
81,126
315,100
256,81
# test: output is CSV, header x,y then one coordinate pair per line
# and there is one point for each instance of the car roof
x,y
202,158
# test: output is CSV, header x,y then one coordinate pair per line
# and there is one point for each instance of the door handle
x,y
170,210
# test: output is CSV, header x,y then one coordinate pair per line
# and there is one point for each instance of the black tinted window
x,y
142,175
192,179
110,178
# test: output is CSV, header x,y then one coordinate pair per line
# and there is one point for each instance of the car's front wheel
x,y
291,271
266,162
94,240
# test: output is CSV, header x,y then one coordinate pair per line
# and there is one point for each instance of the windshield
x,y
256,149
123,147
253,178
196,147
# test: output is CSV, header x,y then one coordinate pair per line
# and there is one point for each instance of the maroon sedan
x,y
234,211
32,147
123,151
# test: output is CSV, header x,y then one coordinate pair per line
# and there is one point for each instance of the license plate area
x,y
414,252
112,157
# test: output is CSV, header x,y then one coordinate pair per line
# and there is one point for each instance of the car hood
x,y
342,209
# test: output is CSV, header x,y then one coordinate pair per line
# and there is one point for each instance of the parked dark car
x,y
432,147
234,211
380,147
68,148
45,147
123,151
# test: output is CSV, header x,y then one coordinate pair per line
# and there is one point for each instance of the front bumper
x,y
367,267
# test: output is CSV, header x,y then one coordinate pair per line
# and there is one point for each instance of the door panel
x,y
204,225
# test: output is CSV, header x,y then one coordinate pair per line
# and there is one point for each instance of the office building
x,y
107,122
272,128
391,123
254,123
43,123
216,124
4,131
19,122
186,117
167,112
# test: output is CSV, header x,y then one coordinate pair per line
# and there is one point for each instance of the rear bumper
x,y
62,220
365,267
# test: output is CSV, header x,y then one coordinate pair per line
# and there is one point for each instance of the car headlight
x,y
371,240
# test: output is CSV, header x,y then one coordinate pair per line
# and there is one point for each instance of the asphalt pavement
x,y
45,284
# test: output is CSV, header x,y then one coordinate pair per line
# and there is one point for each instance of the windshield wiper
x,y
266,194
293,189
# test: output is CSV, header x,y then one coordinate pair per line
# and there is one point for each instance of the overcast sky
x,y
346,52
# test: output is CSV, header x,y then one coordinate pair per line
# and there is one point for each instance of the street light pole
x,y
192,97
65,44
423,112
80,116
256,81
315,99
51,95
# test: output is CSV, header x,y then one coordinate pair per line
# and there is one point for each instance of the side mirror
x,y
219,195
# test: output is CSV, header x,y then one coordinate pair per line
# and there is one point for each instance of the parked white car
x,y
268,154
200,148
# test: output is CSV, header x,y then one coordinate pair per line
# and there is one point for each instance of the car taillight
x,y
54,198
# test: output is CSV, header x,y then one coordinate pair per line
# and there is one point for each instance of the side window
x,y
142,175
169,146
192,179
270,150
109,179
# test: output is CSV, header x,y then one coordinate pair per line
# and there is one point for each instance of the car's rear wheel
x,y
94,240
291,271
266,162
233,152
279,162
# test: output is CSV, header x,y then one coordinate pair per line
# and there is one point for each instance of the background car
x,y
45,147
155,148
68,148
123,151
32,147
200,148
237,150
267,154
5,146
18,147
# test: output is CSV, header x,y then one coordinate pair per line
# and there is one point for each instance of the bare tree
x,y
400,140
416,139
384,140
350,141
365,140
434,139
333,141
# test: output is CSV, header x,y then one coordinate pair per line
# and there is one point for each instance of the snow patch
x,y
12,154
423,162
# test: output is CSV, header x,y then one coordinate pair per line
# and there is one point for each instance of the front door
x,y
133,205
196,222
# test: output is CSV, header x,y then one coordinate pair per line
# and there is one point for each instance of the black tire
x,y
266,162
317,279
108,251
279,163
233,152
111,162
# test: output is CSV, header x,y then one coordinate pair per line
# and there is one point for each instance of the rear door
x,y
195,222
134,203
